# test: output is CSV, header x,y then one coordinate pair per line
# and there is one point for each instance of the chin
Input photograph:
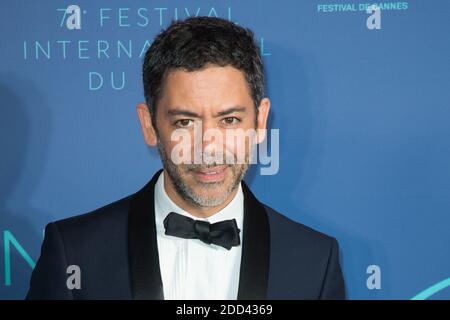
x,y
210,195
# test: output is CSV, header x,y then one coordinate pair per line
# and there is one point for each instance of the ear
x,y
263,115
145,119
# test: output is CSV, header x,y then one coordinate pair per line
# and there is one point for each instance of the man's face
x,y
216,100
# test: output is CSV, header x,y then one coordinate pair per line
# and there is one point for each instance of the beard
x,y
202,194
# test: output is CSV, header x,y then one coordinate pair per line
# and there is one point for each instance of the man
x,y
195,231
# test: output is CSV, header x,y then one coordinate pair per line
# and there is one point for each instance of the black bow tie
x,y
223,233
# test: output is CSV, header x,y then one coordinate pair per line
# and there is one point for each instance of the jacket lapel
x,y
255,259
145,273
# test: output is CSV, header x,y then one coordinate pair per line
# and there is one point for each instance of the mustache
x,y
209,160
197,167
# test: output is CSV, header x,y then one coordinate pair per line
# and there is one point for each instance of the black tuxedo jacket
x,y
116,249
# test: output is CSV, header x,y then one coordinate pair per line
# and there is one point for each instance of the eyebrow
x,y
230,111
183,112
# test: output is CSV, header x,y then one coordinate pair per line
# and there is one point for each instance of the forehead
x,y
213,86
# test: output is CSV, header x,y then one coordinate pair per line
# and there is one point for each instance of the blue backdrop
x,y
363,115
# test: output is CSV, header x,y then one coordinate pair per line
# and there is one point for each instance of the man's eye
x,y
184,123
231,120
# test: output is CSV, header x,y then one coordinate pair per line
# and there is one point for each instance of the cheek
x,y
239,144
178,145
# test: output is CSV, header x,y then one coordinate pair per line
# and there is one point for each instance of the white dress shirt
x,y
190,268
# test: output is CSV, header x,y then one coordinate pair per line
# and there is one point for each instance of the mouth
x,y
212,174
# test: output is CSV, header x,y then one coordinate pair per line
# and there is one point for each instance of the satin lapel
x,y
145,274
255,259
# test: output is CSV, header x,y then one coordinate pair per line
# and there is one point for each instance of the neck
x,y
195,210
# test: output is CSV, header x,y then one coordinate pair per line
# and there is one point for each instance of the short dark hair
x,y
193,43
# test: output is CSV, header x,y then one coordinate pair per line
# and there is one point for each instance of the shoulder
x,y
110,212
286,231
105,222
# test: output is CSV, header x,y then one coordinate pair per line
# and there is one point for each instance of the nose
x,y
209,141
